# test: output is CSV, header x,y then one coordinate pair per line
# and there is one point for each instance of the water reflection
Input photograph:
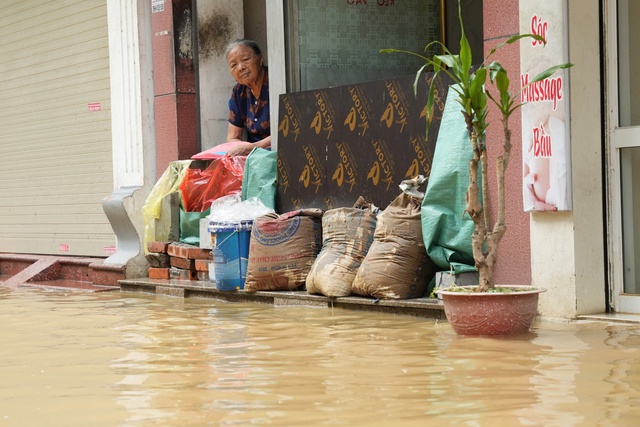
x,y
141,360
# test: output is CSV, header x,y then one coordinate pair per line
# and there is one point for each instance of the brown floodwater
x,y
121,359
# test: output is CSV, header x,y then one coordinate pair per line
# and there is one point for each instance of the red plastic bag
x,y
201,187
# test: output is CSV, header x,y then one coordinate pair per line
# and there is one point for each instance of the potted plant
x,y
476,86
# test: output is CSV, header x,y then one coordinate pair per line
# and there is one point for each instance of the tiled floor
x,y
81,273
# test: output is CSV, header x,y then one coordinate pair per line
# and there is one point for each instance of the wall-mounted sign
x,y
546,155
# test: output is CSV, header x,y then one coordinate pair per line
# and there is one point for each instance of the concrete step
x,y
71,273
431,308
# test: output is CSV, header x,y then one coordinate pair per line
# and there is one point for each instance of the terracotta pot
x,y
471,313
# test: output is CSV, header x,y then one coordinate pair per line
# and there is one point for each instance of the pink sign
x,y
546,156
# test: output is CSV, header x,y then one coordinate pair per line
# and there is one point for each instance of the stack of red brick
x,y
179,261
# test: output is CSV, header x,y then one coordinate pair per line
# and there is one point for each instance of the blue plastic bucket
x,y
230,254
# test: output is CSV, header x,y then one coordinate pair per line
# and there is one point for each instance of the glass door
x,y
624,158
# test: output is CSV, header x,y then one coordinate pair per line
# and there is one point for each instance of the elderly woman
x,y
249,103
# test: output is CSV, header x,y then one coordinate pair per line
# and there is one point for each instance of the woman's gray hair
x,y
243,42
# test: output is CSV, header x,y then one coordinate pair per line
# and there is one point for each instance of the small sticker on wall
x,y
157,6
109,250
64,247
95,106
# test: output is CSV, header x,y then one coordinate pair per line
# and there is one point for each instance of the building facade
x,y
93,113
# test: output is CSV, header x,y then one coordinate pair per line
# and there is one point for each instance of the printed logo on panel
x,y
324,119
421,164
382,168
312,174
346,172
360,113
395,114
290,123
284,173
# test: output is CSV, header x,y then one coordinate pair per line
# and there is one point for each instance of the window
x,y
338,42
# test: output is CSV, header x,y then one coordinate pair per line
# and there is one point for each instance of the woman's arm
x,y
235,134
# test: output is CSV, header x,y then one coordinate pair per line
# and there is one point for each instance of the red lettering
x,y
549,89
541,142
357,2
539,28
386,2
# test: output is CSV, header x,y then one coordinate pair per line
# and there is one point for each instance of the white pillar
x,y
131,73
132,124
277,64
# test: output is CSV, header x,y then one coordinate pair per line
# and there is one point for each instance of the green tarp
x,y
446,231
259,179
190,226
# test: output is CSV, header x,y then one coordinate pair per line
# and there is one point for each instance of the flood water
x,y
123,359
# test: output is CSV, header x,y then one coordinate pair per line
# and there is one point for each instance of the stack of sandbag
x,y
347,234
396,265
282,249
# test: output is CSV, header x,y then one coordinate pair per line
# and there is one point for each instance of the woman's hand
x,y
244,148
241,149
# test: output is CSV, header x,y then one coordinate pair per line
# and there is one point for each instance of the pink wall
x,y
174,86
501,21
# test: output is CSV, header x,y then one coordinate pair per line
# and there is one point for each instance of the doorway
x,y
624,149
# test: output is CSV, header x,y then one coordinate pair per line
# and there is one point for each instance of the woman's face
x,y
245,66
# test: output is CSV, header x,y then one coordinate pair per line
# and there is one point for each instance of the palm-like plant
x,y
470,83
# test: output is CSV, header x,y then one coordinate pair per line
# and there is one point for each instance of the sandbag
x,y
282,249
396,265
347,234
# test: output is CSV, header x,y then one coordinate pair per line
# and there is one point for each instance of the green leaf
x,y
457,90
437,43
528,35
448,60
515,39
431,102
549,72
477,83
417,79
404,51
466,57
494,68
502,81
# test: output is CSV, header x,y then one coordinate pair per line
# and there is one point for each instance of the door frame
x,y
617,138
